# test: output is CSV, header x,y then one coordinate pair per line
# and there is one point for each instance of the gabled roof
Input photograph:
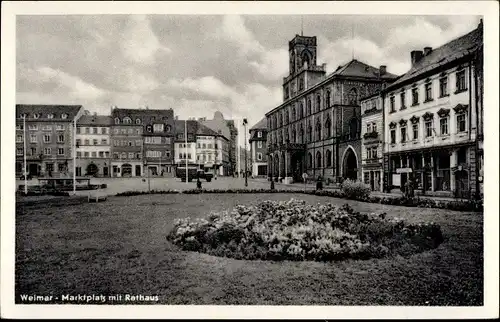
x,y
139,112
204,130
192,126
261,125
44,110
445,54
102,120
355,68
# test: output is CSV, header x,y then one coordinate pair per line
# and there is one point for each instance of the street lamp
x,y
245,122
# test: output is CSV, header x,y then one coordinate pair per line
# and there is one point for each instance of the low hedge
x,y
458,205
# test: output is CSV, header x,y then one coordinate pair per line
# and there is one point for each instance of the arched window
x,y
301,134
127,120
328,127
275,123
310,160
287,118
309,110
64,116
124,155
353,97
353,129
328,158
168,128
287,137
318,103
306,58
137,121
294,136
117,120
309,133
318,130
294,115
281,119
327,99
301,110
318,160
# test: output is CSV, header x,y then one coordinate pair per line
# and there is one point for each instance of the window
x,y
403,134
33,127
127,120
137,121
374,127
131,155
50,116
117,131
60,151
461,123
415,131
428,92
106,154
368,127
428,128
87,130
60,138
353,97
47,151
64,116
259,144
101,154
309,110
19,138
259,134
403,100
189,155
443,125
87,142
461,84
138,131
327,99
94,130
35,116
46,138
318,103
130,143
158,127
19,151
443,86
414,96
123,155
33,138
47,128
117,120
309,133
259,156
103,130
33,151
209,145
328,126
19,127
78,154
94,154
78,130
59,127
130,131
49,167
392,104
393,136
95,142
104,141
61,167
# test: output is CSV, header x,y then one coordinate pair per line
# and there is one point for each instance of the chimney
x,y
382,69
416,55
427,50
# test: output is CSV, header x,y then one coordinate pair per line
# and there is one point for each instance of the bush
x,y
293,230
355,190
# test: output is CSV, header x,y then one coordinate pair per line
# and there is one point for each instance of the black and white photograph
x,y
250,159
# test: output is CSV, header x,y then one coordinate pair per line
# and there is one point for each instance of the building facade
x,y
212,151
316,130
127,148
432,116
185,142
372,134
49,136
93,145
258,148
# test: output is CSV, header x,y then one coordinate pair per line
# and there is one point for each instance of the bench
x,y
96,196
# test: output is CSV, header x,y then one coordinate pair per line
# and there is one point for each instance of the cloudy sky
x,y
200,64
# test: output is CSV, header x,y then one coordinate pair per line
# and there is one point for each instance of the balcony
x,y
371,135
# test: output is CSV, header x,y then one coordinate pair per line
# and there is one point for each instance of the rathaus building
x,y
316,130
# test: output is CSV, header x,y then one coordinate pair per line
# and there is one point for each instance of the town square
x,y
205,160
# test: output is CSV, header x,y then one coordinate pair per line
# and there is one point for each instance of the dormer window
x,y
117,120
127,120
168,128
137,121
148,128
36,116
50,116
64,116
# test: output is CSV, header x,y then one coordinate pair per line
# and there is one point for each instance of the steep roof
x,y
192,126
449,52
261,125
217,125
355,68
44,110
103,120
122,112
204,130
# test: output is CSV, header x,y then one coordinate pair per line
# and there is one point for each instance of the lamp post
x,y
25,170
185,141
245,122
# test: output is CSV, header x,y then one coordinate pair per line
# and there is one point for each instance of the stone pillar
x,y
473,163
433,174
453,163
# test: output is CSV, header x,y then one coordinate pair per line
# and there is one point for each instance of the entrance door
x,y
105,171
350,165
462,184
137,170
33,169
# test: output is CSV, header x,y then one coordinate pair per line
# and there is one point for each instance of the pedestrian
x,y
198,183
319,184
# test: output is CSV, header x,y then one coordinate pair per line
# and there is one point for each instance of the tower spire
x,y
352,40
302,25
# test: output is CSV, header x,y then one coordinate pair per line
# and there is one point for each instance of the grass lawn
x,y
120,247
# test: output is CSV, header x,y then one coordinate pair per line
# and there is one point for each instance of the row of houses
x,y
363,123
125,143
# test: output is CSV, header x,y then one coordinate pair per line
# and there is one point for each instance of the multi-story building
x,y
127,148
258,148
317,127
372,133
433,115
49,135
185,142
93,145
212,150
227,129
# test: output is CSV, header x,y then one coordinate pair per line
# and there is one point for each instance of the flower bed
x,y
293,230
458,205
